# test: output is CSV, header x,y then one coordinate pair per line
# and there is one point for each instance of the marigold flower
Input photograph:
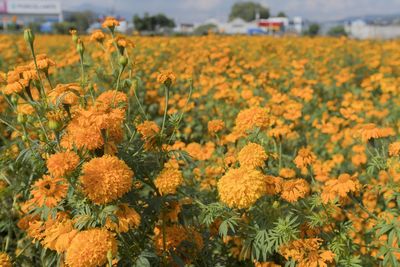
x,y
339,187
292,190
166,77
287,173
307,252
253,117
58,234
112,99
215,126
304,158
62,163
148,130
175,238
128,218
110,22
168,180
5,260
394,149
97,36
68,94
43,62
371,131
85,129
105,179
90,248
200,152
49,191
252,155
241,188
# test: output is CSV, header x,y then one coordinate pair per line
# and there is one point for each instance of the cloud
x,y
202,5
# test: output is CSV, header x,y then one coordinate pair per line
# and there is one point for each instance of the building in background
x,y
23,12
361,29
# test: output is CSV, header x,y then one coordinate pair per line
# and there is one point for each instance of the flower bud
x,y
53,125
80,47
123,61
14,99
21,118
29,36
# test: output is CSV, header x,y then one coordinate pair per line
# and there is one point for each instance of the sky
x,y
201,10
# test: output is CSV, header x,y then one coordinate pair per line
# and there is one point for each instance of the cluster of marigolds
x,y
109,160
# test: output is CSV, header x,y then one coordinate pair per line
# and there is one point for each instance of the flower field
x,y
199,151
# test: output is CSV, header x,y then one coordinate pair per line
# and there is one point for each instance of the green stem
x,y
165,109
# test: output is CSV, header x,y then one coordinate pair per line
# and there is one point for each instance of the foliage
x,y
153,22
248,10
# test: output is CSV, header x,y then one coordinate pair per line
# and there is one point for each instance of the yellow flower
x,y
394,149
292,190
110,22
5,260
304,158
106,179
252,155
215,126
241,188
168,180
62,163
174,237
90,248
307,252
166,77
248,119
97,36
49,191
339,187
128,218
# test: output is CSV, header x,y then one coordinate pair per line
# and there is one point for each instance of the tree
x,y
337,31
281,14
248,10
153,23
81,20
313,29
205,29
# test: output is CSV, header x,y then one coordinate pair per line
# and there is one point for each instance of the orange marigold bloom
x,y
339,187
166,77
168,180
85,129
90,248
106,179
215,126
394,149
292,190
148,129
112,99
97,36
43,62
200,152
49,191
304,158
66,94
62,163
5,260
128,218
252,155
174,237
241,188
287,173
307,252
58,234
110,22
250,118
371,131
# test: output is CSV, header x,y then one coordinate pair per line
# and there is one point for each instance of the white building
x,y
28,11
359,29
